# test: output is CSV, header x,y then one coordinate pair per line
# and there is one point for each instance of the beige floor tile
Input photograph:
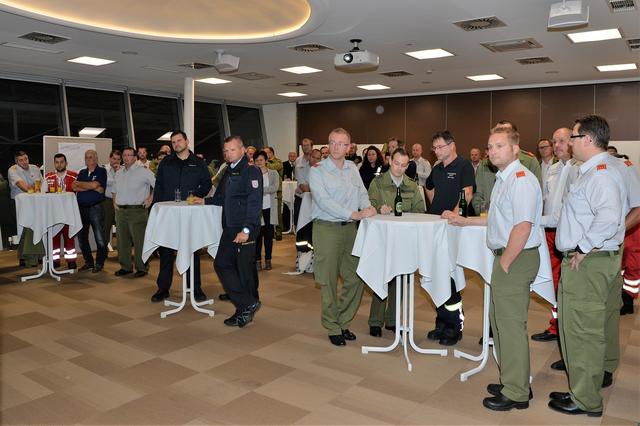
x,y
329,414
264,410
249,371
19,322
57,408
151,375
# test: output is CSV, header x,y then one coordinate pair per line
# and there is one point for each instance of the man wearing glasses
x,y
545,149
451,176
339,201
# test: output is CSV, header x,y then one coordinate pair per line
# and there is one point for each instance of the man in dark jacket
x,y
240,195
182,171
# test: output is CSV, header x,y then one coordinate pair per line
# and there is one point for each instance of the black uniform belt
x,y
500,251
128,206
328,222
595,253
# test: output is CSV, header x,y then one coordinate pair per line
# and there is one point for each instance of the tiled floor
x,y
94,350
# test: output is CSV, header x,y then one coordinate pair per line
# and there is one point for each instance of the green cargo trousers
x,y
383,311
333,244
508,315
586,317
130,227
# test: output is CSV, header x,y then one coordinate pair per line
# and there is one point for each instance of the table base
x,y
186,290
47,261
405,295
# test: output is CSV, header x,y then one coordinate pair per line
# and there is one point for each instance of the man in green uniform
x,y
275,163
513,236
339,201
382,193
590,232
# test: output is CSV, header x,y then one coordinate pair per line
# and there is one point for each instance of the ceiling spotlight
x,y
226,63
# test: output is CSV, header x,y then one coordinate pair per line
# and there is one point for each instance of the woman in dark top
x,y
372,166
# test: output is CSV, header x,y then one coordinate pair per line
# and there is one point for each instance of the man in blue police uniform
x,y
182,171
240,195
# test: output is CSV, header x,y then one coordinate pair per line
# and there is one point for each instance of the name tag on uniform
x,y
520,174
255,184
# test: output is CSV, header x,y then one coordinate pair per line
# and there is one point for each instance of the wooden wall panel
x,y
619,103
384,119
561,106
521,107
469,119
425,116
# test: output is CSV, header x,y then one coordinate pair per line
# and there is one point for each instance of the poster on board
x,y
75,153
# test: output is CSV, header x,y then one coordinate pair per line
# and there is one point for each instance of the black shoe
x,y
435,334
348,335
199,296
232,321
159,296
570,407
337,340
607,380
56,265
502,403
85,267
450,337
391,328
627,304
267,265
375,331
97,269
545,336
560,396
120,272
559,365
495,389
22,263
139,274
223,296
72,265
246,316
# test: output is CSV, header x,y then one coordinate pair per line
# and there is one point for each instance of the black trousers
x,y
446,319
92,216
266,234
165,275
235,265
297,202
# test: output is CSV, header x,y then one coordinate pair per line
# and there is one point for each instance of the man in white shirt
x,y
423,167
143,159
475,157
115,159
545,149
302,176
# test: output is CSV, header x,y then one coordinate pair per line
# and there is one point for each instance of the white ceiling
x,y
388,28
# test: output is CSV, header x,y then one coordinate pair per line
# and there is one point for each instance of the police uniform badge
x,y
255,184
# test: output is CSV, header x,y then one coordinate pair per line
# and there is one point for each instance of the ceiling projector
x,y
356,60
226,63
568,14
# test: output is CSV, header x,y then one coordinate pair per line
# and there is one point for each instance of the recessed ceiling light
x,y
300,70
26,47
213,80
90,132
587,36
165,138
88,60
617,67
374,87
485,77
429,54
292,94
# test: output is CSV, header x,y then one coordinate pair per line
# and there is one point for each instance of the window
x,y
208,131
28,112
152,118
89,108
245,122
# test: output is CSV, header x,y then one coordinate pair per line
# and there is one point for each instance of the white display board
x,y
74,148
629,148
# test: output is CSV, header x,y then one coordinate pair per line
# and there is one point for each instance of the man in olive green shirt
x,y
382,194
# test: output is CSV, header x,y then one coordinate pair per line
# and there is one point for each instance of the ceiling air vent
x,y
251,76
310,48
621,5
43,38
512,45
196,65
294,84
534,61
396,73
633,43
477,24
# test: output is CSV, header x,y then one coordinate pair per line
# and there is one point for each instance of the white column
x,y
189,106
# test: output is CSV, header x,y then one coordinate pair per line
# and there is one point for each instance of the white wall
x,y
280,125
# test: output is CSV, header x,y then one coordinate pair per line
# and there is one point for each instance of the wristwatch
x,y
246,230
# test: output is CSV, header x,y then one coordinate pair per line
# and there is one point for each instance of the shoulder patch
x,y
255,184
628,163
530,154
520,174
601,167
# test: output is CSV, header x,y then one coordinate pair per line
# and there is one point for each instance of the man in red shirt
x,y
61,180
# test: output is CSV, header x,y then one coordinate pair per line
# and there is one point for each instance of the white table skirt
x,y
304,217
184,228
389,246
288,193
41,211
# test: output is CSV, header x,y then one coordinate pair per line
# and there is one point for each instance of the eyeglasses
x,y
438,147
544,147
576,136
341,145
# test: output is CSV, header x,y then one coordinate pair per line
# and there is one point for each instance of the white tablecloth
x,y
389,246
183,228
40,211
468,249
304,216
289,193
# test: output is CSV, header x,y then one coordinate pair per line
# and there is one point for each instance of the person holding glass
x,y
372,166
270,184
